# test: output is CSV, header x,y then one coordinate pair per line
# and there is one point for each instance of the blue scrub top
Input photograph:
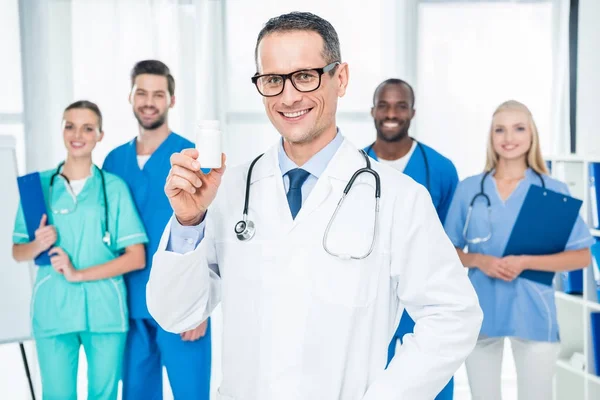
x,y
147,188
442,175
521,308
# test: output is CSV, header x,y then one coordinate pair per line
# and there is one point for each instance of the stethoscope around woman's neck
x,y
489,208
106,238
486,197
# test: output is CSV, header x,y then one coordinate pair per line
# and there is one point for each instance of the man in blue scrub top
x,y
144,164
393,109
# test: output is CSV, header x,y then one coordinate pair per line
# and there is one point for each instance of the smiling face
x,y
511,135
81,132
151,100
301,117
392,112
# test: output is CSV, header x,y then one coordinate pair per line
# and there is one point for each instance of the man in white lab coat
x,y
298,322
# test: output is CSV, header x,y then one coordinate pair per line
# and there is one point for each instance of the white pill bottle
x,y
208,143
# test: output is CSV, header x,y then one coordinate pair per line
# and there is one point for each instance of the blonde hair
x,y
534,157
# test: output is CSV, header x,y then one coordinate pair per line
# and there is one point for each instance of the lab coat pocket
x,y
242,267
339,279
349,283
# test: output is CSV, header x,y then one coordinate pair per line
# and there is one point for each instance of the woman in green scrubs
x,y
94,236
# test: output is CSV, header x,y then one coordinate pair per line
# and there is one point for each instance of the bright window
x,y
473,57
11,99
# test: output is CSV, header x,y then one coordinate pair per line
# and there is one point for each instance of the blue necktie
x,y
294,195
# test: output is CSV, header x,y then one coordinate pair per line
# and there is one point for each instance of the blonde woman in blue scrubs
x,y
513,307
80,300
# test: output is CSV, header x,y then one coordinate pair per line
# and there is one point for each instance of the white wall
x,y
588,78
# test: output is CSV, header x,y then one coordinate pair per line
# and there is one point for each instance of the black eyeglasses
x,y
304,80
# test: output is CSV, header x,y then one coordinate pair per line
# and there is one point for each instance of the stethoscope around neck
x,y
106,238
245,229
489,209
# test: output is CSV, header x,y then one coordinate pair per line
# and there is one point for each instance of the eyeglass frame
x,y
285,77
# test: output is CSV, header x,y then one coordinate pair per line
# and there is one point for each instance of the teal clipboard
x,y
543,226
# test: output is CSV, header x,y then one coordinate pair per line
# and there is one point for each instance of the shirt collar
x,y
317,163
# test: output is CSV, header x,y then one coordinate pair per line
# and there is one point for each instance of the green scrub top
x,y
59,306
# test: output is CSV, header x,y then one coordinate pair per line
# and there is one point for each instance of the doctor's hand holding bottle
x,y
190,191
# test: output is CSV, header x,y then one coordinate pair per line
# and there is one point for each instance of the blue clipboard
x,y
595,249
34,206
543,226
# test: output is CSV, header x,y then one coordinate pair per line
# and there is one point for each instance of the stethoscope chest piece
x,y
245,230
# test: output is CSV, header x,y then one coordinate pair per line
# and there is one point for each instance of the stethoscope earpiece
x,y
479,240
245,230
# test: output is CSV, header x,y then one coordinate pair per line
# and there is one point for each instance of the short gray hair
x,y
304,21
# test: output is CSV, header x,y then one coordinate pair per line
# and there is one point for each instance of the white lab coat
x,y
299,324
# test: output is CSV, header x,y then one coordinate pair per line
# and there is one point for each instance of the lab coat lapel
x,y
274,195
337,174
317,196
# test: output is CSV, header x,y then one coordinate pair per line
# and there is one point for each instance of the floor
x,y
13,384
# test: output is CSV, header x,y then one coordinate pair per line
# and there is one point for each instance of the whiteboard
x,y
15,278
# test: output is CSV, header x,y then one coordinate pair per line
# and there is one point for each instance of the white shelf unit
x,y
574,311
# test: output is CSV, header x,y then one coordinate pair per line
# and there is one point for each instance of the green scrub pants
x,y
58,358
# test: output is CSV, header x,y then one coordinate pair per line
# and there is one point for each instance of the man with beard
x,y
392,111
144,164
